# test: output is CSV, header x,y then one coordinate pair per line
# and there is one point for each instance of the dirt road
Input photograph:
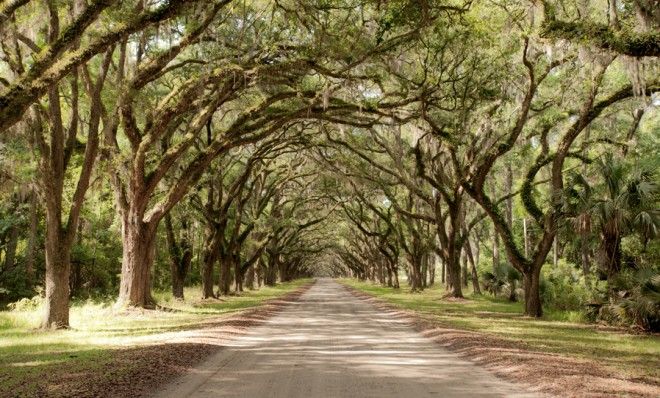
x,y
332,344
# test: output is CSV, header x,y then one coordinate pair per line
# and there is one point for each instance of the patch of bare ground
x,y
154,359
551,373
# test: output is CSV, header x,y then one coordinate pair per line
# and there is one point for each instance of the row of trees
x,y
257,137
546,138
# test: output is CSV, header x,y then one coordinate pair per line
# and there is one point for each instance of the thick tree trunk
x,y
249,277
238,276
208,264
139,248
224,279
454,276
209,258
533,305
270,279
177,283
58,268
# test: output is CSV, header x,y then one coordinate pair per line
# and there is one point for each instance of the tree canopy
x,y
167,143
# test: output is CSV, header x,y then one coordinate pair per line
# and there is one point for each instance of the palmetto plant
x,y
637,301
628,205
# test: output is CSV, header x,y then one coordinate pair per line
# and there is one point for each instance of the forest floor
x,y
556,356
126,354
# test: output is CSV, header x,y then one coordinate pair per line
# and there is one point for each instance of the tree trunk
x,y
454,276
177,282
180,253
395,278
58,269
209,258
464,271
224,280
249,278
31,251
139,249
611,246
533,305
431,269
584,254
238,276
424,271
473,268
12,243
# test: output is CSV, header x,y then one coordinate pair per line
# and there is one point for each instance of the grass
x,y
560,332
96,330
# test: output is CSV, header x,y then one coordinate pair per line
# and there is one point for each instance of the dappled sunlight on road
x,y
332,344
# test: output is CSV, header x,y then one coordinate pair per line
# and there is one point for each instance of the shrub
x,y
564,287
635,300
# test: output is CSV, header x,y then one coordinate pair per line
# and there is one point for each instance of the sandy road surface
x,y
331,344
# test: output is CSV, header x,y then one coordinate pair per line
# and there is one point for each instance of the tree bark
x,y
250,277
138,242
533,305
57,278
31,251
224,278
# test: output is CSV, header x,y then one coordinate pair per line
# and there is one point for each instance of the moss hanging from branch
x,y
634,44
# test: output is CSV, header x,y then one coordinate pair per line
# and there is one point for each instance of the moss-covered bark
x,y
634,44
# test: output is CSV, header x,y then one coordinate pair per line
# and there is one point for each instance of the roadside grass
x,y
97,329
562,332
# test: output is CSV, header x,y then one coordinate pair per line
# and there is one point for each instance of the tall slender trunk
x,y
395,278
12,243
525,237
473,268
431,269
585,257
464,270
424,271
443,273
31,251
